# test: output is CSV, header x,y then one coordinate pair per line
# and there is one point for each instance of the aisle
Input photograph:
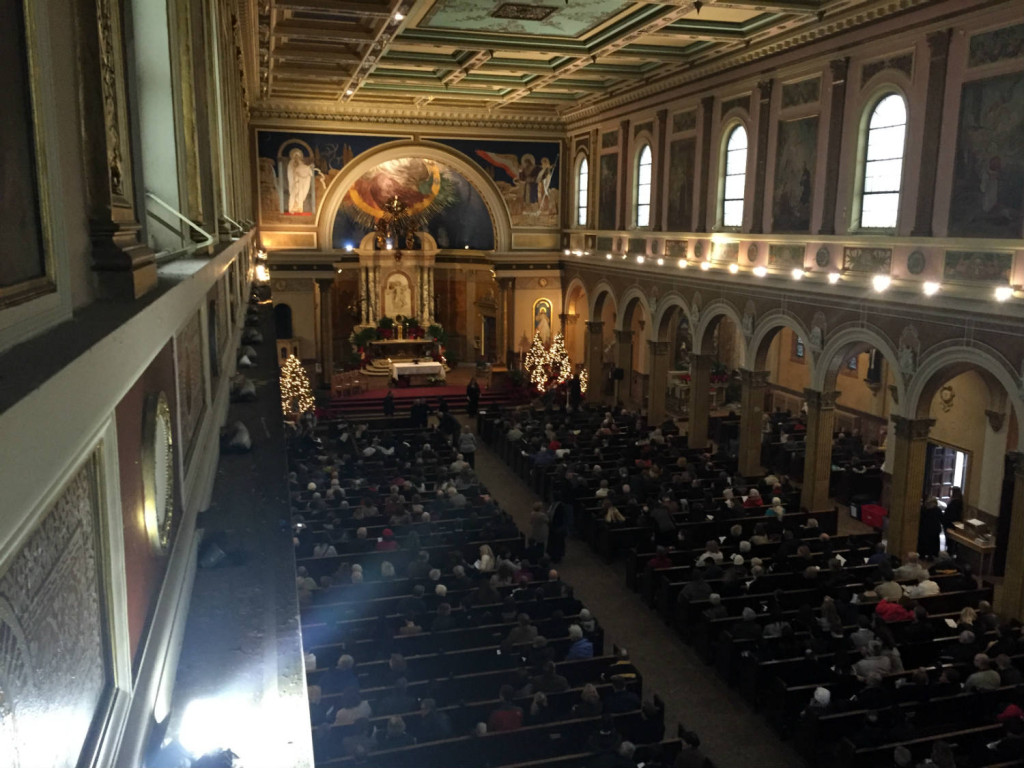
x,y
694,695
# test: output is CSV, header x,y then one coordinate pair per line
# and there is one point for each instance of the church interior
x,y
480,383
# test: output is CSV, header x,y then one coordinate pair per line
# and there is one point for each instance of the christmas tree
x,y
296,396
559,366
536,363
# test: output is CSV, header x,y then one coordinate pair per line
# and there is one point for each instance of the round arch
x,y
666,304
575,285
837,349
765,332
951,359
709,317
601,293
395,150
631,295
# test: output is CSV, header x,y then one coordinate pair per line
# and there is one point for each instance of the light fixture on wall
x,y
395,227
734,269
760,271
930,288
797,274
1004,293
834,277
881,283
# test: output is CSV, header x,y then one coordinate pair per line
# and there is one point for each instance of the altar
x,y
417,373
402,349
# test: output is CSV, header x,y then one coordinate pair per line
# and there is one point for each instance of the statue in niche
x,y
397,298
300,178
910,348
818,332
747,321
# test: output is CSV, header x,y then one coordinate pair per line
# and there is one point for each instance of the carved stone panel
x,y
55,664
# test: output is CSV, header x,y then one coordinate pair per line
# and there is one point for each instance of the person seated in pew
x,y
606,739
409,627
540,712
433,725
925,587
398,700
747,628
394,735
360,741
716,610
874,694
581,647
888,588
351,707
589,704
760,535
523,632
691,756
734,577
984,678
1009,748
661,559
919,629
873,661
712,551
549,681
620,699
1008,674
911,569
917,687
948,683
507,716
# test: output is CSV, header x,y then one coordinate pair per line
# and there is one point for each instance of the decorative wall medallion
x,y
542,282
523,12
158,471
823,257
698,249
946,397
915,263
752,253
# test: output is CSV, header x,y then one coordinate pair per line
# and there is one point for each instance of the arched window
x,y
883,163
644,164
582,191
735,177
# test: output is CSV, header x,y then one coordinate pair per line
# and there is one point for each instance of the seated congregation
x,y
435,633
862,658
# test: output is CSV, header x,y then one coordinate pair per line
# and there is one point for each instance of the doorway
x,y
946,467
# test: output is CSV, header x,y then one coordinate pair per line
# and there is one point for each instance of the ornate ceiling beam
x,y
335,31
311,52
476,60
386,31
367,9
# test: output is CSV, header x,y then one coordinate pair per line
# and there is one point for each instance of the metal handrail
x,y
241,227
208,239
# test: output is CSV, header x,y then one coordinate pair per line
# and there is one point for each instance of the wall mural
x,y
607,191
542,319
795,154
295,169
988,180
446,204
55,662
525,173
681,163
188,355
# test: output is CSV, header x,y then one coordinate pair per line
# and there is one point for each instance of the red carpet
x,y
405,393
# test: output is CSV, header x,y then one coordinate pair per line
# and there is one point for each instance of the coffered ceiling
x,y
536,59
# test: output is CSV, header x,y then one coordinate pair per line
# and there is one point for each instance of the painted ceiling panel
x,y
550,18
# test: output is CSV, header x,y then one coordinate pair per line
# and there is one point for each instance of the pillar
x,y
504,320
660,171
624,360
938,46
595,360
623,216
909,456
326,331
124,264
755,383
700,401
761,165
659,351
707,114
821,419
1010,596
833,151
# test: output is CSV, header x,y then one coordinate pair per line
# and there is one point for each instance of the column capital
x,y
765,87
624,337
912,429
938,43
595,326
838,68
754,379
658,347
823,401
996,420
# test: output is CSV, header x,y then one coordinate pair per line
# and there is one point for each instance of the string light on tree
x,y
536,360
296,395
559,366
584,381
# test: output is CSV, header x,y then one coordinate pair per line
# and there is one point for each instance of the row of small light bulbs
x,y
880,283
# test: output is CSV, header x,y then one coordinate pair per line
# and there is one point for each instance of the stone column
x,y
364,297
1010,596
624,360
700,401
821,419
755,383
833,152
658,384
938,46
909,456
125,265
707,114
504,287
430,293
659,171
595,360
761,167
326,340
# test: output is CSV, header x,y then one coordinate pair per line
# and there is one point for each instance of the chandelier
x,y
395,228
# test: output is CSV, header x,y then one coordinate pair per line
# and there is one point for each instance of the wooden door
x,y
940,471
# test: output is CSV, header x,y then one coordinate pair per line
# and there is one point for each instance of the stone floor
x,y
734,735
